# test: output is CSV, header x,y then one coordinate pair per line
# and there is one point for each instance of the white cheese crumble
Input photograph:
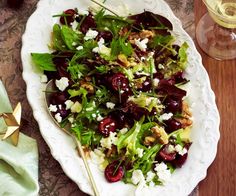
x,y
94,115
182,151
71,119
139,152
160,66
76,107
102,49
110,105
62,84
163,172
58,117
97,156
80,48
99,117
43,79
108,141
74,43
166,116
52,108
91,34
69,104
124,131
84,12
150,176
156,82
142,45
74,25
137,177
171,149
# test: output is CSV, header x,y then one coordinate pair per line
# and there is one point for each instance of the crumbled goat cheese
x,y
171,149
94,115
182,151
160,66
137,177
150,176
43,79
62,84
110,105
80,48
142,45
108,141
124,131
151,184
69,104
142,58
139,152
163,172
76,107
58,117
71,119
166,116
102,49
84,12
156,82
74,43
99,117
97,156
91,34
74,25
52,108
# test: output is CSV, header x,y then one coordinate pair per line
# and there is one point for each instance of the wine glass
x,y
216,30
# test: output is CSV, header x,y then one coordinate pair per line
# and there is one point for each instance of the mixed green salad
x,y
119,87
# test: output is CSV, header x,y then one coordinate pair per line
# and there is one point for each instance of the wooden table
x,y
221,177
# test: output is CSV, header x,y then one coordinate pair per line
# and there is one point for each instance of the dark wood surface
x,y
221,177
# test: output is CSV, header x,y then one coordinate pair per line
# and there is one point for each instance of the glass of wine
x,y
216,30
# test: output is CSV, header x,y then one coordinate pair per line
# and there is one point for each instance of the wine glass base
x,y
216,41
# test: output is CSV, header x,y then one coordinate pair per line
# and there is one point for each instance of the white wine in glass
x,y
216,30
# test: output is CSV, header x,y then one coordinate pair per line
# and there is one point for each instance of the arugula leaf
x,y
87,137
119,46
69,37
78,70
75,93
113,23
43,61
57,41
160,40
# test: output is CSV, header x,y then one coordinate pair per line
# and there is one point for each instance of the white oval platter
x,y
205,131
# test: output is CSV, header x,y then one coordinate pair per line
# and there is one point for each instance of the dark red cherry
x,y
172,125
88,23
173,105
165,155
180,160
63,112
106,35
58,98
146,85
106,126
119,82
69,18
114,172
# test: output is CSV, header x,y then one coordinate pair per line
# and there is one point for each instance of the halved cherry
x,y
172,125
69,17
180,160
58,98
165,155
173,105
119,82
114,172
106,126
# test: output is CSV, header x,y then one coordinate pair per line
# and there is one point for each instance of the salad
x,y
119,87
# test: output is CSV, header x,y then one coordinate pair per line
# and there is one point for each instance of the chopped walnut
x,y
146,34
89,87
185,119
149,140
160,134
122,59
